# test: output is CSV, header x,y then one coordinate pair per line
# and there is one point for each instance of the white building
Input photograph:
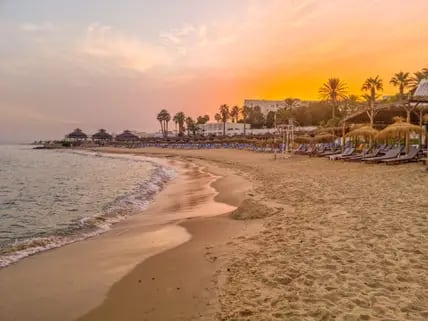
x,y
217,129
273,105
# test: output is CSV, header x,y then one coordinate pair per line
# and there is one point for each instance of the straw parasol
x,y
364,131
425,118
398,129
324,137
303,138
335,130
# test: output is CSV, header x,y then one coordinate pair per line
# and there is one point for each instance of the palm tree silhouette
x,y
372,85
164,117
225,115
179,119
402,81
333,91
234,113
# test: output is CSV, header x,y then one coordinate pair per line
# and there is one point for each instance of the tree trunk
x,y
224,128
161,124
371,116
343,136
420,124
333,114
407,134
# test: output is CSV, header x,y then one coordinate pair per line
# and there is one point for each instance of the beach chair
x,y
316,151
332,151
347,152
374,152
392,153
412,156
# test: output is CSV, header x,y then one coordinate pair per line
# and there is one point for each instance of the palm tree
x,y
202,119
179,119
333,91
234,113
189,123
372,85
217,117
225,115
245,110
167,120
402,81
175,120
164,117
352,104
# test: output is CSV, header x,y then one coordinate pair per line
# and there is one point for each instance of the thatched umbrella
x,y
425,118
324,137
399,128
329,130
365,131
303,138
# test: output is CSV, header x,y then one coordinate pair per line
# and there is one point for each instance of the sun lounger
x,y
410,157
329,153
346,152
393,153
356,158
315,151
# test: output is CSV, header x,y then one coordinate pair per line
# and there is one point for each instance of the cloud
x,y
45,26
107,45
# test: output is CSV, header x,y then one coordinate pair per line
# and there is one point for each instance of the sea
x,y
50,198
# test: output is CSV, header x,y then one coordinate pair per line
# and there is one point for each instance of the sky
x,y
116,64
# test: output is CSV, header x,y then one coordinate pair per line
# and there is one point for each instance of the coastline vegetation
x,y
335,103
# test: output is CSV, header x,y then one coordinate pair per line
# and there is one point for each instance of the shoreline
x,y
101,223
23,271
182,283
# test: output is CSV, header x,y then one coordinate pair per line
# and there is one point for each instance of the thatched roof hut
x,y
385,114
102,135
127,136
421,93
77,134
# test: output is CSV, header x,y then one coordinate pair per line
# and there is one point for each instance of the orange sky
x,y
64,64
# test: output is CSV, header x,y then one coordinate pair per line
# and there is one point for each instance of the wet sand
x,y
65,283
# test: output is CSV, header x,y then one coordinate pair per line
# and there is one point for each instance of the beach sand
x,y
339,241
314,240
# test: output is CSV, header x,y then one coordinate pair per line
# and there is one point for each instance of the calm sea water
x,y
50,198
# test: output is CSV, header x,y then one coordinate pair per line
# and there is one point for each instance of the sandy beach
x,y
312,239
339,241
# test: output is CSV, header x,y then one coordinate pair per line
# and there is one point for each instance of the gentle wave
x,y
132,203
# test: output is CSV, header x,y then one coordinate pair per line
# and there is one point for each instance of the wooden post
x,y
343,137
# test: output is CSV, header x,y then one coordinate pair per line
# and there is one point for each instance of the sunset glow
x,y
66,64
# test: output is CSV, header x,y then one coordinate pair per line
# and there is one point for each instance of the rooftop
x,y
421,93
